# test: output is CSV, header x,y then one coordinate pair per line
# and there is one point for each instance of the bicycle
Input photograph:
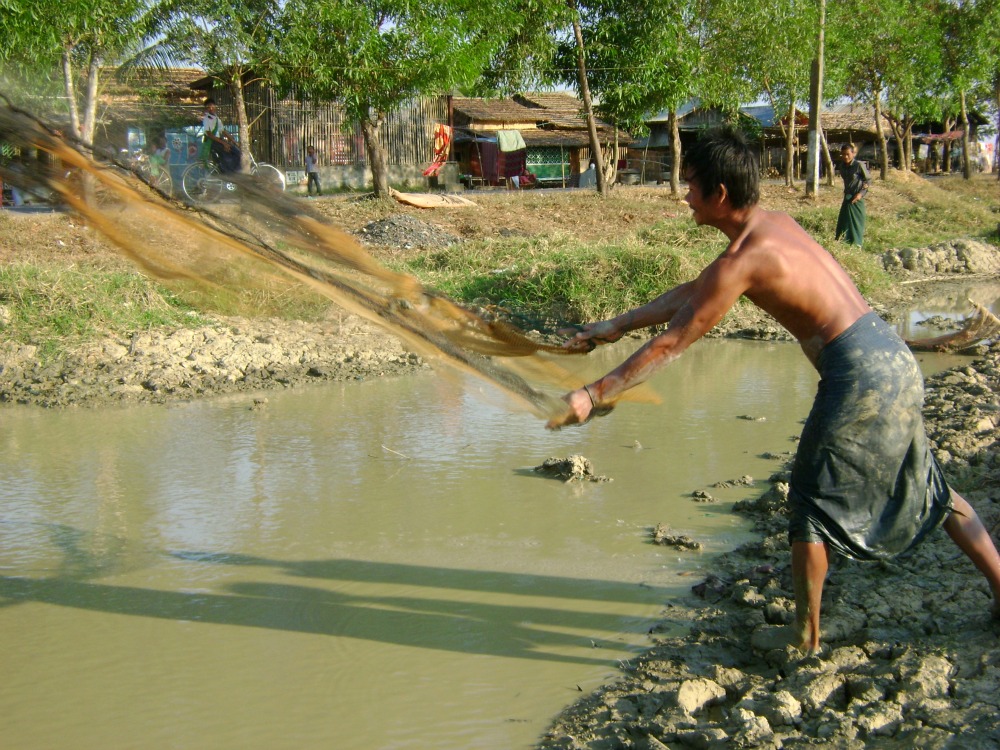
x,y
155,175
202,181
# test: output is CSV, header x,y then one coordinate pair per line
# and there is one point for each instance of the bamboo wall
x,y
280,130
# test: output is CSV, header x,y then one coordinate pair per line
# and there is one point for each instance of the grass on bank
x,y
54,308
556,275
551,255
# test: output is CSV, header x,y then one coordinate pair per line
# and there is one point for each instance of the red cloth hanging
x,y
442,142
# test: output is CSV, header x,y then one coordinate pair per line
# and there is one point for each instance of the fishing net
x,y
980,326
273,238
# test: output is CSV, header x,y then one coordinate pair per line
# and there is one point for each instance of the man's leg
x,y
968,532
810,562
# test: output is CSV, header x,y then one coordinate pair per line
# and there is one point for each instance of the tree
x,y
768,47
970,57
372,56
231,39
79,38
816,105
643,57
588,105
890,53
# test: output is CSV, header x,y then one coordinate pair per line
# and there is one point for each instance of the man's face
x,y
695,199
847,155
210,108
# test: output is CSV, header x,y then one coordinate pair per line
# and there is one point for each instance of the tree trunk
x,y
376,157
897,132
966,166
946,158
827,159
70,88
242,123
904,130
790,147
588,107
815,109
675,155
911,157
880,133
90,104
996,142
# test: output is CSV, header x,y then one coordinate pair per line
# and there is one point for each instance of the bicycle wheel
x,y
270,177
163,182
201,182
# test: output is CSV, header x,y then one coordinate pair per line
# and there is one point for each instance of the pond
x,y
361,565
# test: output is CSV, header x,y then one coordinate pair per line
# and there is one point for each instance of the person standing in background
x,y
851,222
312,171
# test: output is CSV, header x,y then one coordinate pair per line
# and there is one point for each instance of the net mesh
x,y
274,238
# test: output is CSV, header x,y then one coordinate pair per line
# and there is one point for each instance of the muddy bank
x,y
232,355
912,657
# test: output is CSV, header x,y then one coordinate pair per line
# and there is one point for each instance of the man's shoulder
x,y
769,231
765,226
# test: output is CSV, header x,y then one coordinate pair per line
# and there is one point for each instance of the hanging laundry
x,y
510,140
442,145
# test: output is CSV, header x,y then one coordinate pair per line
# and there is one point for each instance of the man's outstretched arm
x,y
658,311
709,297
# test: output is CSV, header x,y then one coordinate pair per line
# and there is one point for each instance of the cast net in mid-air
x,y
270,233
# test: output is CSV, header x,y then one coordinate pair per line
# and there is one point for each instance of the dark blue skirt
x,y
864,479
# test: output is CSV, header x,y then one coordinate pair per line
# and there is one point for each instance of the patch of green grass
x,y
56,307
546,277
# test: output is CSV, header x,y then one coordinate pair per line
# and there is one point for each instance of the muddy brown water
x,y
363,565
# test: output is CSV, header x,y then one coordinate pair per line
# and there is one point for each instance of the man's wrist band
x,y
593,403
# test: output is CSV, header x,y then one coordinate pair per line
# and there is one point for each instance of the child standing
x,y
312,171
160,158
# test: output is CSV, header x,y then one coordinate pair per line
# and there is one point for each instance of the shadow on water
x,y
440,621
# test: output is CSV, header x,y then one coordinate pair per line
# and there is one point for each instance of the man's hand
x,y
578,412
582,408
587,337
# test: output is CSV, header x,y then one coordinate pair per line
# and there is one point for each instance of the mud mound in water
x,y
574,468
962,256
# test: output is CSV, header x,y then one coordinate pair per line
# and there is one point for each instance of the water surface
x,y
362,565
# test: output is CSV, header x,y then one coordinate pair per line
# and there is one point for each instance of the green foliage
x,y
88,34
373,55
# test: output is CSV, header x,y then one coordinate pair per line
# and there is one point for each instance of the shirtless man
x,y
864,481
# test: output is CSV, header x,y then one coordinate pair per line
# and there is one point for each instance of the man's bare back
x,y
795,280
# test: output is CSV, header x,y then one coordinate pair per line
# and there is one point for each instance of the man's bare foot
x,y
767,638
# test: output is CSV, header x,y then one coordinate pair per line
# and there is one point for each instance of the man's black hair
x,y
208,101
722,156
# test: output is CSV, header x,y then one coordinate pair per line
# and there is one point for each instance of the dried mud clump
x,y
663,535
575,468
